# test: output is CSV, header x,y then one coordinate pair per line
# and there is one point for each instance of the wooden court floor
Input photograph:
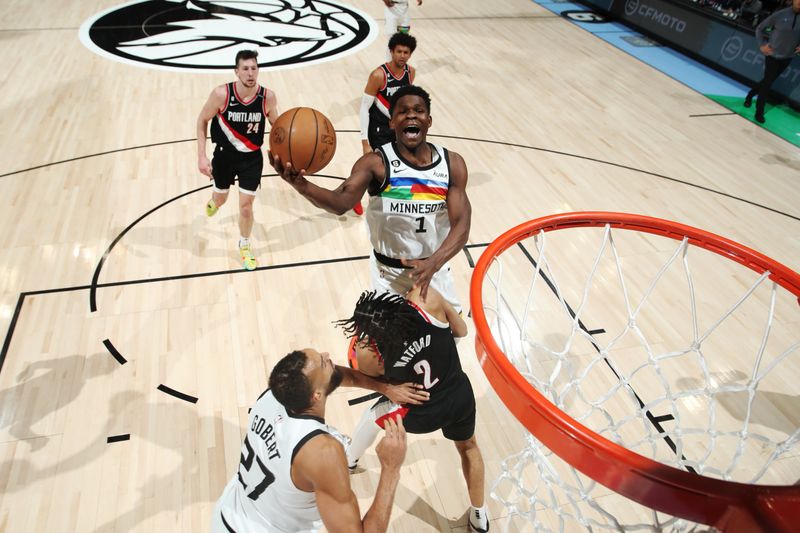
x,y
115,287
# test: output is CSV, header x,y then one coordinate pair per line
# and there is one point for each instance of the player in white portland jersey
x,y
417,259
292,474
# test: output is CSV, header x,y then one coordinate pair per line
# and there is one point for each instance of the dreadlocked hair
x,y
385,319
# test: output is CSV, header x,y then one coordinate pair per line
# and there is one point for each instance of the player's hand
x,y
388,3
422,272
419,2
766,49
204,166
391,450
287,172
407,393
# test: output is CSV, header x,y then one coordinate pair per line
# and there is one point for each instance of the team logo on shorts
x,y
205,35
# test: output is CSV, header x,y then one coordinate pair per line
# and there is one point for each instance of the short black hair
x,y
246,54
403,39
410,90
289,384
386,319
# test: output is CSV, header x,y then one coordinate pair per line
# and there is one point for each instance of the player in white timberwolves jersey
x,y
292,474
418,213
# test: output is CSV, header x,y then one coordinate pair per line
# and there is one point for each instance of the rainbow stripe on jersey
x,y
415,189
407,217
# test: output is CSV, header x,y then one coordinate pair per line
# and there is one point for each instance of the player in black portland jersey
x,y
238,112
383,82
239,125
413,340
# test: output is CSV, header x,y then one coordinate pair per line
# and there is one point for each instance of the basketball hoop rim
x,y
725,504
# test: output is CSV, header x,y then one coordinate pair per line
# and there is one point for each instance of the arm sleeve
x,y
363,114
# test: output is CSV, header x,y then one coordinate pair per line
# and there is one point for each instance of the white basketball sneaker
x,y
478,521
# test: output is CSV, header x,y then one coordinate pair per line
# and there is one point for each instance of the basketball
x,y
304,137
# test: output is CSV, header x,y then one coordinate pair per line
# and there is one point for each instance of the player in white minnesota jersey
x,y
292,475
418,213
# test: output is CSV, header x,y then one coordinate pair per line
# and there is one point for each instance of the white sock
x,y
479,517
363,436
244,241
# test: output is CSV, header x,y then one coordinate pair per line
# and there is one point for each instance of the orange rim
x,y
727,505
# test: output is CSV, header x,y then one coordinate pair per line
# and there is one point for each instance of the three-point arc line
x,y
177,394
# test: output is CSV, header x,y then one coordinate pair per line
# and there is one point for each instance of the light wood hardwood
x,y
505,71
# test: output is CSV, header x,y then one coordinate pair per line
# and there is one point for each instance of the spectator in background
x,y
729,8
750,11
779,35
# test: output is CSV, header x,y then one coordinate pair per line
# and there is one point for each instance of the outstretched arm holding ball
x,y
341,199
418,211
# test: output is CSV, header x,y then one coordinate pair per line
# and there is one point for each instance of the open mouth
x,y
411,131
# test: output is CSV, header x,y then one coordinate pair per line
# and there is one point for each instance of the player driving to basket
x,y
418,213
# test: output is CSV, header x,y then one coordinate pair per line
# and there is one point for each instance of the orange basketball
x,y
304,137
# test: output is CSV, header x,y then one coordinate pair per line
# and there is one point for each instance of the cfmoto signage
x,y
648,12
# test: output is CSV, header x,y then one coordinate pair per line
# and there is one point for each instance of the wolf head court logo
x,y
205,35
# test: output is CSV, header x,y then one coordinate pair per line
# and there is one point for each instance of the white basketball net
x,y
689,366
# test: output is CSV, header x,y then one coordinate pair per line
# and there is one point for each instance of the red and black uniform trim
x,y
240,124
